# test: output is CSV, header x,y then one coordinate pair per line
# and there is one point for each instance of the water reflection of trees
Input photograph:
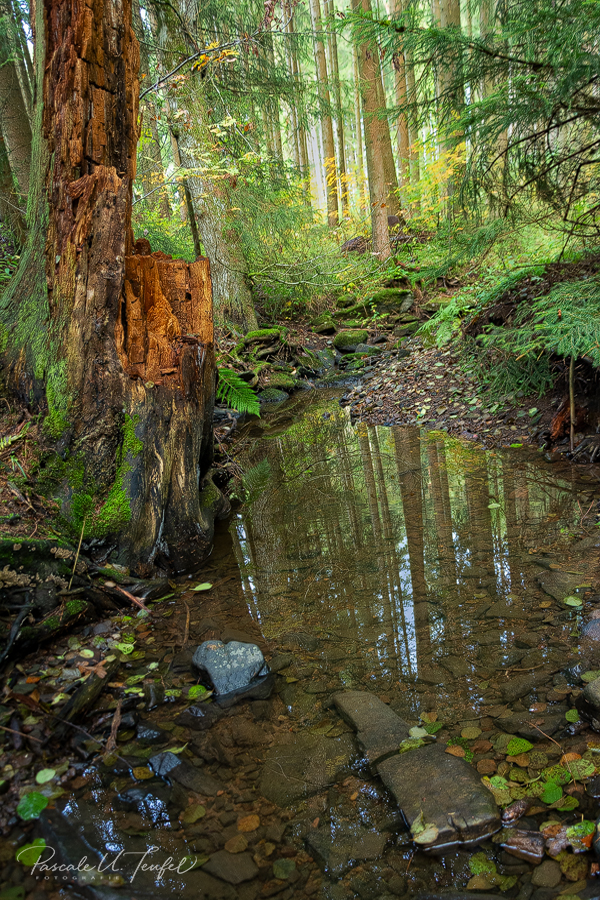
x,y
390,541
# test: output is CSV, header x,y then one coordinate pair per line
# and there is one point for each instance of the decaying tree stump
x,y
118,340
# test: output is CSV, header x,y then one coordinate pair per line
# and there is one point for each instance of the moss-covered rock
x,y
282,381
327,327
368,350
407,328
347,341
385,301
272,395
262,336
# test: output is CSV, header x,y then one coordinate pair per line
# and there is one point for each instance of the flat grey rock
x,y
234,868
341,847
379,730
305,766
517,687
519,724
168,765
559,584
229,667
447,790
456,666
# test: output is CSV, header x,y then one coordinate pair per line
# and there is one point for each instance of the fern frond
x,y
233,390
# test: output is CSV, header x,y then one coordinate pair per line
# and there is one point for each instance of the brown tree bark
x,y
121,340
14,119
401,99
375,128
326,123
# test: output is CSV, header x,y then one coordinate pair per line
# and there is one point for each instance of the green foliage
x,y
170,235
31,805
233,390
517,746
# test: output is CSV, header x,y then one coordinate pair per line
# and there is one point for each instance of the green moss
x,y
3,338
282,381
115,512
263,334
75,606
58,399
348,339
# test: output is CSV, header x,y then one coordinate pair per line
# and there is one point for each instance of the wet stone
x,y
527,845
519,724
456,666
446,790
234,868
546,875
379,730
304,766
558,585
199,717
340,848
588,704
522,685
168,765
281,661
230,667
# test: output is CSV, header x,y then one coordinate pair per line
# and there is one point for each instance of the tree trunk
x,y
375,128
120,339
339,115
325,111
389,165
360,169
401,99
14,119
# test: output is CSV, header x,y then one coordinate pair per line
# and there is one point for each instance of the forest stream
x,y
454,584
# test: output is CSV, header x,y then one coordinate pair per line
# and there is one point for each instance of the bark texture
x,y
375,136
121,339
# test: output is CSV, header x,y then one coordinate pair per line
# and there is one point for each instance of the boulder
x,y
262,336
588,704
347,341
368,349
230,667
446,791
272,395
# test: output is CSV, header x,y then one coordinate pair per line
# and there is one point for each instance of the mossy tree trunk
x,y
118,341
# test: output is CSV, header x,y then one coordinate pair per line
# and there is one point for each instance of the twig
x,y
133,599
186,630
28,737
111,743
77,554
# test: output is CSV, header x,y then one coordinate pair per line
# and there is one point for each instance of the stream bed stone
x,y
304,766
445,790
230,667
340,845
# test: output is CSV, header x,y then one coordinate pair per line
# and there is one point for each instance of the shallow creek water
x,y
407,564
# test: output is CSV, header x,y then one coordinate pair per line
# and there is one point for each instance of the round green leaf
x,y
573,601
205,586
87,654
572,715
551,793
196,691
31,805
45,775
29,854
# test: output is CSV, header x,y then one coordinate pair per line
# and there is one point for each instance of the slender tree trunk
x,y
121,340
14,119
401,98
339,114
450,18
326,123
360,169
375,128
389,165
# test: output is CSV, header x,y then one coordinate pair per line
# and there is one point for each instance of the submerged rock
x,y
231,867
168,765
230,667
588,704
430,786
339,847
527,845
304,766
379,730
